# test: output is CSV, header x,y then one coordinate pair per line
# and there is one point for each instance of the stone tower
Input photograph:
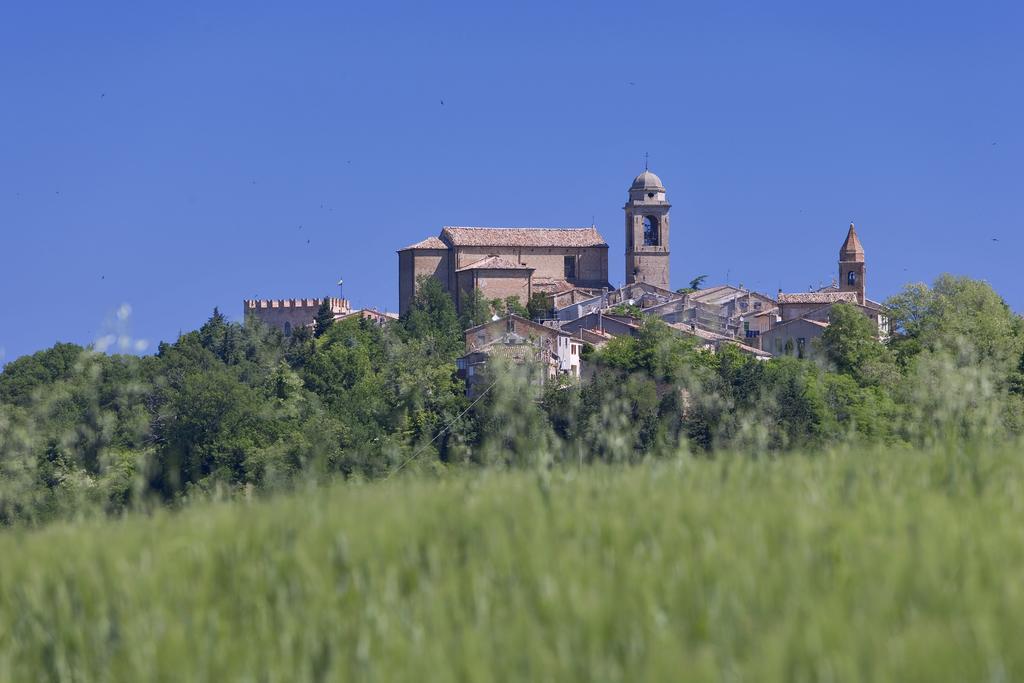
x,y
647,231
851,265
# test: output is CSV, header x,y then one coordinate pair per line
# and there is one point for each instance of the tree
x,y
22,375
539,307
850,344
695,284
324,318
957,314
431,317
514,307
475,309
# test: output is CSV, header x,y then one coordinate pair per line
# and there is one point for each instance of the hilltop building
x,y
547,351
569,265
289,315
647,232
804,316
504,262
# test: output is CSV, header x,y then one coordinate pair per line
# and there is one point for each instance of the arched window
x,y
652,238
287,329
851,278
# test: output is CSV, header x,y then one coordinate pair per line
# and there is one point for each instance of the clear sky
x,y
160,159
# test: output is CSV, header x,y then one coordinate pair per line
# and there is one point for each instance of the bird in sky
x,y
102,95
442,103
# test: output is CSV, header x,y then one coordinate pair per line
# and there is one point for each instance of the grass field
x,y
858,566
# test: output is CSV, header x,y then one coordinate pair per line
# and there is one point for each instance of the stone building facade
x,y
566,264
504,262
804,316
289,315
550,351
647,233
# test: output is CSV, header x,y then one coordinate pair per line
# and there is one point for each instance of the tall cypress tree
x,y
324,318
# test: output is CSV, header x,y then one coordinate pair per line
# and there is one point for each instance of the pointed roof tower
x,y
851,249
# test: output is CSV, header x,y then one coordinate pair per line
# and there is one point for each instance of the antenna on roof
x,y
645,161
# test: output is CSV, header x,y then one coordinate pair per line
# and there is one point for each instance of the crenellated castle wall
x,y
288,315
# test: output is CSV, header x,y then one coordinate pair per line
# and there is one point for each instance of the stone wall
x,y
547,262
414,263
288,315
784,339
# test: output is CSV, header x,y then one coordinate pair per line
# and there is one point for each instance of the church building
x,y
804,316
519,262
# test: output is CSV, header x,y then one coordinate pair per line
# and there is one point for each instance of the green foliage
x,y
627,310
695,285
475,309
867,565
510,305
324,318
959,316
539,307
431,317
231,407
22,377
849,343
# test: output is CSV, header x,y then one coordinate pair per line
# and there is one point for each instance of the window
x,y
570,267
287,329
851,278
652,237
757,305
743,305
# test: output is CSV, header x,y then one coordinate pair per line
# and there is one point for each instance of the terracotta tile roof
x,y
694,331
493,263
429,243
548,331
874,305
817,297
722,294
522,237
551,285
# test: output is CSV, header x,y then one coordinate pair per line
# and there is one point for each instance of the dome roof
x,y
647,181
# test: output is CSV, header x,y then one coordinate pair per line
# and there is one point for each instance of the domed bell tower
x,y
647,232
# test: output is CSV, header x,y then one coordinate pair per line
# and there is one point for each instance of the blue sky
x,y
160,159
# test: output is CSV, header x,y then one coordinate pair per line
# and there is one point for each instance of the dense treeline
x,y
234,407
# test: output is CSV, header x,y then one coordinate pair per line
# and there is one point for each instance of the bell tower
x,y
852,267
647,231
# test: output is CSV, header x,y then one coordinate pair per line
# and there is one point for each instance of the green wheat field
x,y
876,565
